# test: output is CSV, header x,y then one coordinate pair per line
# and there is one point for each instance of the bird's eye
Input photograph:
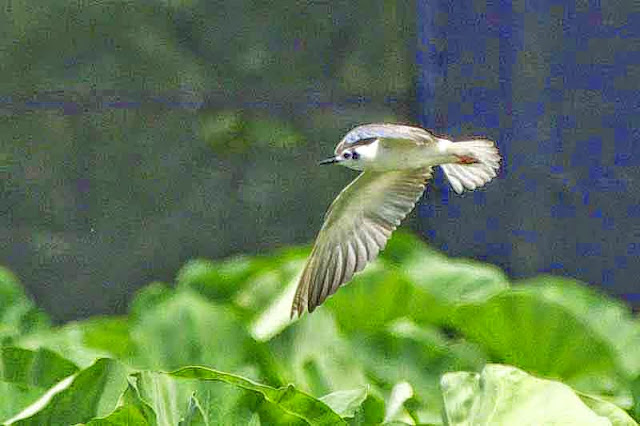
x,y
355,155
346,155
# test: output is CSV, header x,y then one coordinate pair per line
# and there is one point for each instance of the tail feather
x,y
465,175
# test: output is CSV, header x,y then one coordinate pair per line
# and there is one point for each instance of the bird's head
x,y
360,146
354,157
357,148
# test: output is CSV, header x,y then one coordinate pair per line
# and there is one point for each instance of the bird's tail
x,y
477,162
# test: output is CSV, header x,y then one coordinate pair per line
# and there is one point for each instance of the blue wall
x,y
556,84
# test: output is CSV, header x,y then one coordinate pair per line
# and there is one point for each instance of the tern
x,y
395,161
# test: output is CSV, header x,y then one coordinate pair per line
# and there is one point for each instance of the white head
x,y
355,156
360,145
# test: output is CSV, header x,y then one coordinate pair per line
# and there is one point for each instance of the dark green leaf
x,y
85,341
18,314
41,368
288,398
93,392
25,376
123,416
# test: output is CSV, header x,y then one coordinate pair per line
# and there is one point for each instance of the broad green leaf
x,y
92,392
127,415
25,376
252,282
635,388
184,328
440,283
195,414
41,368
109,334
175,400
359,406
372,299
529,331
609,318
615,414
14,398
148,297
85,341
346,402
18,314
404,245
316,357
395,410
506,395
289,399
405,352
217,280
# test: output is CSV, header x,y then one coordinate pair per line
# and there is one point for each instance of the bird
x,y
395,162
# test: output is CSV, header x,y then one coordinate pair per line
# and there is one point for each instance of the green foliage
x,y
18,315
412,340
505,395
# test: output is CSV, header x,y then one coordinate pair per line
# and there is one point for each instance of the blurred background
x,y
137,136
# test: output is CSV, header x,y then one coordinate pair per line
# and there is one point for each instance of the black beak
x,y
328,161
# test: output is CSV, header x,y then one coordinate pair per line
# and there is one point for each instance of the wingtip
x,y
297,307
295,313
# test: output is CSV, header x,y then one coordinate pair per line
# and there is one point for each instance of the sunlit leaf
x,y
615,414
400,393
506,395
346,402
25,376
41,368
93,392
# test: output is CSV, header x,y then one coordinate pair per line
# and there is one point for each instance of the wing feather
x,y
357,226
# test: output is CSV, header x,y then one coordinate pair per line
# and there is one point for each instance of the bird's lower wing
x,y
357,226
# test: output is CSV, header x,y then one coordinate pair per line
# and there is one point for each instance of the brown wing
x,y
357,226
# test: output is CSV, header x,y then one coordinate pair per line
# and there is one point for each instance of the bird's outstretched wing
x,y
357,226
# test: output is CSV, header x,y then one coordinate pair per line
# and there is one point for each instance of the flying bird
x,y
396,162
